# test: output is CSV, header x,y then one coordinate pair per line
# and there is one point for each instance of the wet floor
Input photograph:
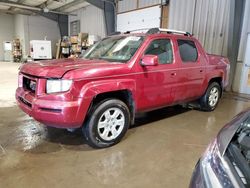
x,y
159,151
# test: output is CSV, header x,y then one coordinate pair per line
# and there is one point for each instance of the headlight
x,y
55,86
214,168
20,80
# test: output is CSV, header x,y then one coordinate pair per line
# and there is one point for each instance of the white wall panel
x,y
91,20
145,3
126,5
139,19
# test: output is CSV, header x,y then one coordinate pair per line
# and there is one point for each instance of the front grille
x,y
29,84
25,102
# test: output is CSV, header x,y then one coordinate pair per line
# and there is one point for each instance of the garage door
x,y
138,19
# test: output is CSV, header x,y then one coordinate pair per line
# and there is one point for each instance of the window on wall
x,y
163,49
188,50
74,27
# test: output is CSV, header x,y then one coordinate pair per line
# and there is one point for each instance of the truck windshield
x,y
120,48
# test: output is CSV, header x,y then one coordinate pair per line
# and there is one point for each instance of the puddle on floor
x,y
32,137
243,99
31,134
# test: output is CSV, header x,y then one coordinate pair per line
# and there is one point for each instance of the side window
x,y
188,50
163,49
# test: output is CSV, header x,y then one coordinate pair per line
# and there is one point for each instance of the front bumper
x,y
212,170
197,179
60,114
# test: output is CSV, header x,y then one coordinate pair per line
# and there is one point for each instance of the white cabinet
x,y
7,47
40,49
245,76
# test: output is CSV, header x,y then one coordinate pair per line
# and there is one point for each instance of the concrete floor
x,y
160,151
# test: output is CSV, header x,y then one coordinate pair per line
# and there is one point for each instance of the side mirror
x,y
149,60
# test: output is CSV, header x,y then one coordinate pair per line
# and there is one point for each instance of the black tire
x,y
94,135
213,93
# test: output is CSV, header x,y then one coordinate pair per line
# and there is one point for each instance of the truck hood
x,y
226,134
57,68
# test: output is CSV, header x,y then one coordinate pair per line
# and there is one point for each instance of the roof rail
x,y
170,31
156,30
143,29
115,33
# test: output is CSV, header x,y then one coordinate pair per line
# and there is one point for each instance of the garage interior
x,y
163,146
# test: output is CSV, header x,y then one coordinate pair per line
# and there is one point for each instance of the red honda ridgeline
x,y
118,77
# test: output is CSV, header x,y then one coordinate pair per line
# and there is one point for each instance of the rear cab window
x,y
188,51
162,48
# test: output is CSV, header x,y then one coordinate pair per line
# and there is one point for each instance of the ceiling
x,y
30,6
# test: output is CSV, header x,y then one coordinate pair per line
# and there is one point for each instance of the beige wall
x,y
6,31
29,28
91,20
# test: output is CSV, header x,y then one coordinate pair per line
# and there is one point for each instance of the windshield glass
x,y
120,48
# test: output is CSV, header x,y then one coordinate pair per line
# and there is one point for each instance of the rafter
x,y
17,12
19,2
68,5
44,4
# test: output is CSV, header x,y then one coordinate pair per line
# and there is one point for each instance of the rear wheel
x,y
210,99
107,124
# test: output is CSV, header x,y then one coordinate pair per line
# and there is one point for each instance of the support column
x,y
109,8
235,27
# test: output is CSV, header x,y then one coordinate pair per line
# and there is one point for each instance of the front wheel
x,y
107,124
210,99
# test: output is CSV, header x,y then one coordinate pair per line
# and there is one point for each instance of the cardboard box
x,y
73,39
73,47
76,48
82,37
64,44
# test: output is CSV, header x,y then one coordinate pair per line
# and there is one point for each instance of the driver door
x,y
157,85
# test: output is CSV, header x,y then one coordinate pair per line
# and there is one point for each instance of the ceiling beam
x,y
68,5
17,12
44,4
19,5
31,8
19,1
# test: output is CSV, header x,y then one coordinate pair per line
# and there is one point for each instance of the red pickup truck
x,y
118,77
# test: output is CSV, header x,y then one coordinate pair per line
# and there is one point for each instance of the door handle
x,y
173,74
